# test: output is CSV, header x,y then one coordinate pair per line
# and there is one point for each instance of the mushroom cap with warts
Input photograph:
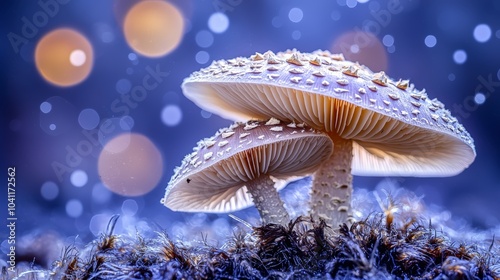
x,y
212,178
396,129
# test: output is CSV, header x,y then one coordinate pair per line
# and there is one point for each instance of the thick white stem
x,y
331,191
267,201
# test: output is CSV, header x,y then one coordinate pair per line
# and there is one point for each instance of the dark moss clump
x,y
375,248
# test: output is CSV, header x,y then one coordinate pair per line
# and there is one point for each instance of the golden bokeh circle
x,y
130,165
64,57
153,28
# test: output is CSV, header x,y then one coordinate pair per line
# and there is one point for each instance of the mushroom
x,y
379,126
229,170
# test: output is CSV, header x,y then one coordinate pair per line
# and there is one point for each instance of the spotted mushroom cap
x,y
212,178
396,129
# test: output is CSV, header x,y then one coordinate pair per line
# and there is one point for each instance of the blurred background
x,y
94,120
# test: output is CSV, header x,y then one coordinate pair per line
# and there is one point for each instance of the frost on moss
x,y
304,249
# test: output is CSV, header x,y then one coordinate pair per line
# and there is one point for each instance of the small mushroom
x,y
233,168
379,126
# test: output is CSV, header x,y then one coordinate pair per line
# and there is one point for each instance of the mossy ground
x,y
378,247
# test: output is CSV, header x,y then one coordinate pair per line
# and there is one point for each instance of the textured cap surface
x,y
396,129
212,178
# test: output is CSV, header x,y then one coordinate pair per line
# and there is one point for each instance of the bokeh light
x,y
171,115
218,22
363,47
127,123
153,28
351,3
295,15
459,56
74,208
202,57
123,86
479,98
482,33
88,119
49,190
64,57
132,57
77,58
130,165
78,178
388,40
45,107
204,38
430,41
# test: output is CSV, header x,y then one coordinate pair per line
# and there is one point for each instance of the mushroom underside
x,y
221,186
382,145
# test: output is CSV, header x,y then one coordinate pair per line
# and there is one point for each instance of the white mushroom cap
x,y
212,178
396,129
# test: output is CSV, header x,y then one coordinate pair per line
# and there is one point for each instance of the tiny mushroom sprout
x,y
228,171
379,126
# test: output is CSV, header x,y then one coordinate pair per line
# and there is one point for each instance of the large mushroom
x,y
379,126
229,170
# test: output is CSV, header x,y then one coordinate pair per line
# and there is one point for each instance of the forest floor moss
x,y
378,247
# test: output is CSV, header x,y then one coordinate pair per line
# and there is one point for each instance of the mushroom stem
x,y
267,200
331,192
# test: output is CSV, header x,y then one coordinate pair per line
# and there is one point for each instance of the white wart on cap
x,y
218,175
380,126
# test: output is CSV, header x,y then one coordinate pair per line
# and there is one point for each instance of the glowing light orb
x,y
64,57
74,208
132,170
459,56
295,15
78,178
363,47
77,58
153,28
171,115
218,22
430,41
49,190
482,33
